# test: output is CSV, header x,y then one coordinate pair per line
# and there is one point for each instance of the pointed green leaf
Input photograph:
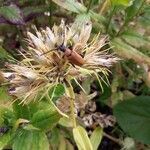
x,y
82,18
30,140
12,14
96,137
81,138
23,110
134,38
71,5
127,51
134,117
75,6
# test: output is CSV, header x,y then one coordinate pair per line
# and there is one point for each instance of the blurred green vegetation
x,y
36,126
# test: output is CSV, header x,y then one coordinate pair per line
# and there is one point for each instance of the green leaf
x,y
96,137
71,5
24,111
145,18
81,138
75,6
126,51
98,18
30,127
45,119
30,140
133,116
4,94
57,91
12,14
29,11
65,122
133,9
4,140
134,38
42,105
7,116
106,94
4,55
122,2
81,19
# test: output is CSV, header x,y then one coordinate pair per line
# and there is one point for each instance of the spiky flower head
x,y
45,66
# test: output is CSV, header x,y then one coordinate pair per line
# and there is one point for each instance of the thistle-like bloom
x,y
45,65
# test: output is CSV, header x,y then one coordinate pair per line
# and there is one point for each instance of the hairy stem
x,y
72,97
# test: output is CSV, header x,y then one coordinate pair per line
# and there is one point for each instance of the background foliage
x,y
37,126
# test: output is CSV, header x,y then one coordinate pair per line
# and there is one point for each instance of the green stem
x,y
110,18
104,6
122,28
89,6
72,98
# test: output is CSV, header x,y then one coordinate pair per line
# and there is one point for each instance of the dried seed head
x,y
44,65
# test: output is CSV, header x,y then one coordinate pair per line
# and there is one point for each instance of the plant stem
x,y
121,28
104,7
112,138
88,8
110,18
72,97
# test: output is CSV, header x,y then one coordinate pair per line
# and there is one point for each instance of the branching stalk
x,y
112,138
